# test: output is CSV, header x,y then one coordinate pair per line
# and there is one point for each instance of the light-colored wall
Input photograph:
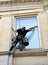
x,y
0,30
29,60
5,33
4,60
43,25
41,60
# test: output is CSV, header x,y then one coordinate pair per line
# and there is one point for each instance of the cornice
x,y
19,1
13,2
20,13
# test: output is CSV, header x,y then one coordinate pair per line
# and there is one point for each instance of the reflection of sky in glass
x,y
33,35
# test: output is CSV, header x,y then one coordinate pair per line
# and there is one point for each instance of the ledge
x,y
27,52
31,52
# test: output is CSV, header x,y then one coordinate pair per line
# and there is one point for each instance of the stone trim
x,y
31,52
21,13
27,52
19,1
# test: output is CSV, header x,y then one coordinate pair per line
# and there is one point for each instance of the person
x,y
21,37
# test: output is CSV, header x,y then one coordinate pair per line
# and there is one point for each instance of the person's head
x,y
22,27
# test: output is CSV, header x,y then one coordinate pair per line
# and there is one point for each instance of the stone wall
x,y
43,24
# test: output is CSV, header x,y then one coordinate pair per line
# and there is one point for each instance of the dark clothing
x,y
22,32
20,37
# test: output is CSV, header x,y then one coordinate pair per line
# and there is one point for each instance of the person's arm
x,y
32,28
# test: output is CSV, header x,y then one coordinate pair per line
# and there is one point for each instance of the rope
x,y
9,54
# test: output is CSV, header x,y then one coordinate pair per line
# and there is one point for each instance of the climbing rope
x,y
9,53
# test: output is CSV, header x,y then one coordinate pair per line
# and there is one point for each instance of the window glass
x,y
32,36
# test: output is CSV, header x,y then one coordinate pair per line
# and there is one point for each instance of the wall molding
x,y
30,52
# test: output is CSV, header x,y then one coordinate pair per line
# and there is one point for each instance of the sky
x,y
33,36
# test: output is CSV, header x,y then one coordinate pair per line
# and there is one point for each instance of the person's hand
x,y
34,27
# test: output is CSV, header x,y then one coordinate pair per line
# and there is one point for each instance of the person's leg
x,y
18,38
14,43
12,46
20,45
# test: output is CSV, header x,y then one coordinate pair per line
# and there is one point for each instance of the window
x,y
33,35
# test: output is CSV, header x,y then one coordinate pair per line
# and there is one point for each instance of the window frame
x,y
29,14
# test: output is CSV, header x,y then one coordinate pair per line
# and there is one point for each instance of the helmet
x,y
22,27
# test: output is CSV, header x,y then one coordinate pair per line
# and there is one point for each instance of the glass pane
x,y
32,36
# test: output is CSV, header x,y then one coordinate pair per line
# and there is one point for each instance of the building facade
x,y
9,11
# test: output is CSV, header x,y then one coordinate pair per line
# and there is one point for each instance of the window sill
x,y
30,52
27,52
